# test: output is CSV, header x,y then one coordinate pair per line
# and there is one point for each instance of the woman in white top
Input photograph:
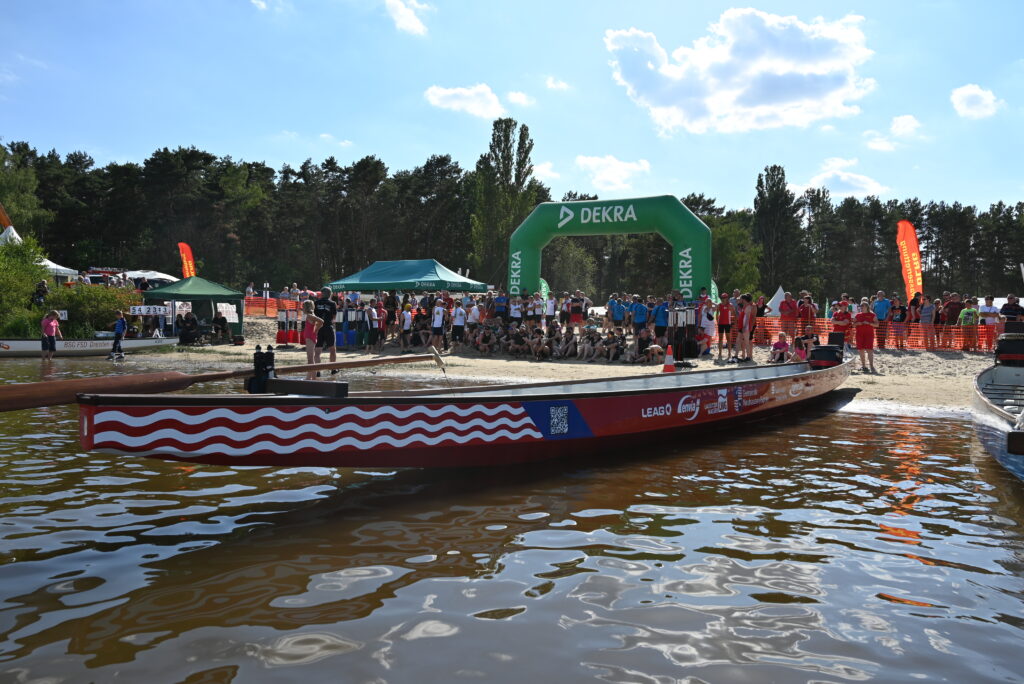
x,y
474,312
437,325
406,328
550,307
458,325
516,311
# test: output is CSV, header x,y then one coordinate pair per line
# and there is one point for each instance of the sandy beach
x,y
941,380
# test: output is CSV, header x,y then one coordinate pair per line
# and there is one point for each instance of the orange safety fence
x,y
889,335
259,306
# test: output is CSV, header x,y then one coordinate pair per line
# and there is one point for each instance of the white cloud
x,y
259,4
842,183
904,126
753,70
545,171
877,141
974,102
478,100
827,128
327,137
521,99
553,83
404,14
609,173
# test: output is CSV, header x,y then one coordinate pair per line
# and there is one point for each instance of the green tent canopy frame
x,y
196,289
408,274
664,215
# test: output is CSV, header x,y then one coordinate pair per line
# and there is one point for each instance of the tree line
x,y
317,222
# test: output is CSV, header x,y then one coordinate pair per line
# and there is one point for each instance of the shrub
x,y
22,323
91,307
19,273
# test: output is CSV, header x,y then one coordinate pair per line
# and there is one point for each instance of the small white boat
x,y
999,414
10,349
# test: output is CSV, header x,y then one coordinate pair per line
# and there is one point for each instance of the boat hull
x,y
466,428
995,389
95,347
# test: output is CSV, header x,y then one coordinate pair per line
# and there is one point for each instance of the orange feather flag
x,y
5,220
910,258
188,264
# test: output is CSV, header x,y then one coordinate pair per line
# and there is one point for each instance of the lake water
x,y
838,547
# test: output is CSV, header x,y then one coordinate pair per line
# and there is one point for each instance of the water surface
x,y
839,547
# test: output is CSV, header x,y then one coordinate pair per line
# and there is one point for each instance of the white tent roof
x,y
779,295
11,235
152,275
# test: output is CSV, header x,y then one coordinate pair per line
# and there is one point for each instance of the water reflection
x,y
839,548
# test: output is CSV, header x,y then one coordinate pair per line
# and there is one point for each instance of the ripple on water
x,y
845,547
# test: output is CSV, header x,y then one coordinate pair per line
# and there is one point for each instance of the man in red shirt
x,y
842,321
788,313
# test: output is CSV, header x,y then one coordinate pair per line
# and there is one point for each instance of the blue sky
x,y
899,99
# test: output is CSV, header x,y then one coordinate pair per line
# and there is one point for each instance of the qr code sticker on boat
x,y
559,420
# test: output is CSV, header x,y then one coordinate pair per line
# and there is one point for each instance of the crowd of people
x,y
635,329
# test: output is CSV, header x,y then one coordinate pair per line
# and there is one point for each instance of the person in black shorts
x,y
325,309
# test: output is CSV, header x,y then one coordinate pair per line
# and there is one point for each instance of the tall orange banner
x,y
188,264
5,220
910,257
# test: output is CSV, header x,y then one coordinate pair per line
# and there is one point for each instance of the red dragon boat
x,y
286,424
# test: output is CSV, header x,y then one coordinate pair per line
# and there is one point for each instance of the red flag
x,y
188,264
910,257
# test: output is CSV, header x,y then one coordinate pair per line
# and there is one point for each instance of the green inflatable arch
x,y
664,215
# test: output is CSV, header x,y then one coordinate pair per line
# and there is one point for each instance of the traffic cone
x,y
670,362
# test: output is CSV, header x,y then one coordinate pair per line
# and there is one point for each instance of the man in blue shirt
x,y
639,311
660,321
618,312
120,328
501,306
881,308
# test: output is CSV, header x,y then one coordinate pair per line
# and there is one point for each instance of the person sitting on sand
x,y
803,345
780,350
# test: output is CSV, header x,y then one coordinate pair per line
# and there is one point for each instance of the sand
x,y
914,379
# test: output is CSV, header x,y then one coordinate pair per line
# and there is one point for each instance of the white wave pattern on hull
x,y
111,440
427,426
327,413
166,432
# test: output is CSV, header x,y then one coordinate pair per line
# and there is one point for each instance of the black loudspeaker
x,y
1016,327
837,339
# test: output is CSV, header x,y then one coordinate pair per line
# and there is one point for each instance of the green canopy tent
x,y
410,274
196,289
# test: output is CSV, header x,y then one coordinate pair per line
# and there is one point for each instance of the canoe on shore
x,y
92,347
468,426
998,404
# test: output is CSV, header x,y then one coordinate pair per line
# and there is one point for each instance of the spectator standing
x,y
1012,310
310,328
326,310
927,321
989,320
639,313
51,331
501,307
406,328
41,292
725,313
865,324
250,290
789,311
120,328
898,322
551,310
951,313
842,321
437,317
881,306
458,326
968,322
144,284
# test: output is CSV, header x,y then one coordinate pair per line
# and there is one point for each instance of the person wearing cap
x,y
326,310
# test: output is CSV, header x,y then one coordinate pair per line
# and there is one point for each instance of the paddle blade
x,y
15,397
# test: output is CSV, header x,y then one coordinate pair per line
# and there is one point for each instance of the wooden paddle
x,y
15,397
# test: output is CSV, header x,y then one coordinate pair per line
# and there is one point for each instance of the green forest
x,y
316,222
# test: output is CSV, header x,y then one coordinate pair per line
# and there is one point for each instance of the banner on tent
x,y
229,311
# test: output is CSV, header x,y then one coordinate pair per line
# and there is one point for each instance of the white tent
x,y
151,275
11,235
776,299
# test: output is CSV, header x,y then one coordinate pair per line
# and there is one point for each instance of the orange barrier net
x,y
890,335
258,306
